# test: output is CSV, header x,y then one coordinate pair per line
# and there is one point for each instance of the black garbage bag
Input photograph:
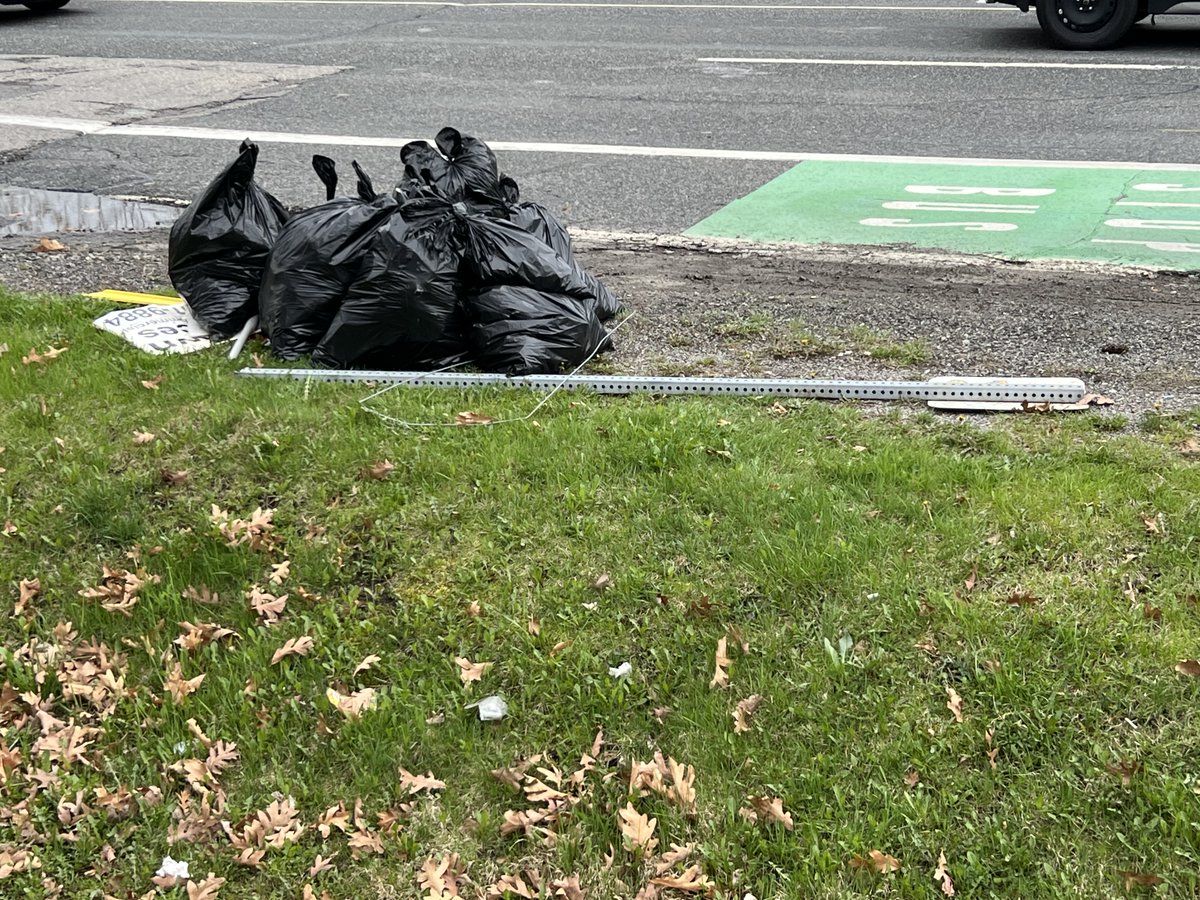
x,y
530,311
315,259
218,247
326,170
366,189
540,222
461,164
405,309
522,331
502,253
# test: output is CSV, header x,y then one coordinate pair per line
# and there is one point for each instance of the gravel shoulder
x,y
705,307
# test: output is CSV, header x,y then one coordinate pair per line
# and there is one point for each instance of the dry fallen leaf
x,y
193,637
559,647
143,437
153,383
691,881
178,686
280,572
876,860
367,662
954,703
378,471
469,671
174,476
721,669
1022,598
439,878
320,864
414,784
352,706
744,712
206,889
912,779
566,888
300,646
250,857
36,358
771,808
1125,770
473,418
474,610
941,876
675,855
48,245
28,590
993,751
1190,447
603,583
534,627
267,606
637,829
969,584
1137,878
527,886
1189,667
363,842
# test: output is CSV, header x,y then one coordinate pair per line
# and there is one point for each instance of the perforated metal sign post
x,y
1012,390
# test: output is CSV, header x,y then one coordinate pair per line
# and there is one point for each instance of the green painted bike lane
x,y
1109,215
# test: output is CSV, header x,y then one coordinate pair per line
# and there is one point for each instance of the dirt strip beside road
x,y
720,307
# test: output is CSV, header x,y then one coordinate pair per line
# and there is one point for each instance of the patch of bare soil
x,y
728,308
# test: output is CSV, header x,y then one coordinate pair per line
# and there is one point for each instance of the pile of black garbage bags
x,y
449,268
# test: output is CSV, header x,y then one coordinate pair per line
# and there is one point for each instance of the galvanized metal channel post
x,y
992,390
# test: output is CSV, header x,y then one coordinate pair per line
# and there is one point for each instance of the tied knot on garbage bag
x,y
218,248
450,267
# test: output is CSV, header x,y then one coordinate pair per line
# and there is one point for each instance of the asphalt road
x,y
610,74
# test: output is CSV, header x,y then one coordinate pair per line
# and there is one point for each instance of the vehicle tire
x,y
45,5
1086,24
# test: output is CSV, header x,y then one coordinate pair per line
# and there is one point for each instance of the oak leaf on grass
x,y
179,687
877,861
439,879
469,671
414,784
637,829
691,881
762,807
206,889
954,703
745,712
298,646
721,668
942,877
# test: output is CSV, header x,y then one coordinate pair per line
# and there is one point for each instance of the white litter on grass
x,y
491,709
157,329
621,671
181,748
172,868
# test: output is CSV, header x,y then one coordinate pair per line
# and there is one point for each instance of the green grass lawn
x,y
964,634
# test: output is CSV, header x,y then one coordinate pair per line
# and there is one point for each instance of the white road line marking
x,y
944,63
574,4
98,127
